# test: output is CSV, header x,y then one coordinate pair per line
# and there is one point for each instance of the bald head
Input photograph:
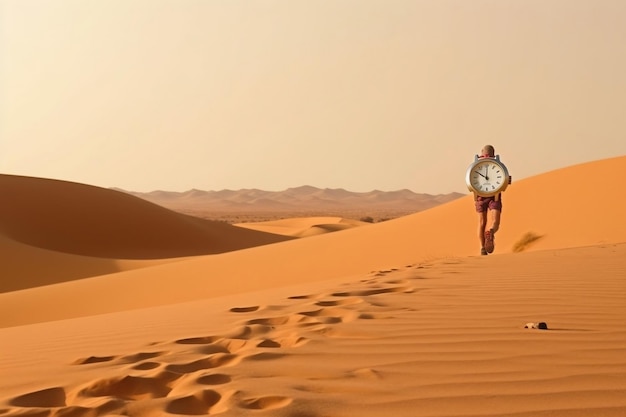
x,y
488,150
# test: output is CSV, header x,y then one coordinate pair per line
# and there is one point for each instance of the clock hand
x,y
480,174
487,172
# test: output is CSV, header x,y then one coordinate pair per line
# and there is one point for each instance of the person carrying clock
x,y
487,178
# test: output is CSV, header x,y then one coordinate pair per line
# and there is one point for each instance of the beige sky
x,y
355,94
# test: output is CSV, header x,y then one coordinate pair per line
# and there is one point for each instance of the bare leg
x,y
482,223
494,225
494,221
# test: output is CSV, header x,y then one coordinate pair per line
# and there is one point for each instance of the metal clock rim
x,y
478,160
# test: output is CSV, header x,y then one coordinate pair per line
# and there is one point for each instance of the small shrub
x,y
526,241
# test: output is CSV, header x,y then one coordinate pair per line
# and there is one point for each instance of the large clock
x,y
487,176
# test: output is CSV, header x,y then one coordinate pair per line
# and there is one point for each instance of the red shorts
x,y
488,203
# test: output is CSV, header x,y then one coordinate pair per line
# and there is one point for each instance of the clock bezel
x,y
477,161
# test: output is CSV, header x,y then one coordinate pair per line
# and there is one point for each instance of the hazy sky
x,y
355,94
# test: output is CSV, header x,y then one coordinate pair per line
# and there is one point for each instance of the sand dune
x,y
395,318
548,205
55,231
91,221
25,266
304,226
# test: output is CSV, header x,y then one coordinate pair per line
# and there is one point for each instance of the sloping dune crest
x,y
25,266
92,221
553,205
575,206
53,231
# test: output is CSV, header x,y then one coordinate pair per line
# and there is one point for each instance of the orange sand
x,y
395,318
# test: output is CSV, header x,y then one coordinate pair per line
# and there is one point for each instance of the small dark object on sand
x,y
541,325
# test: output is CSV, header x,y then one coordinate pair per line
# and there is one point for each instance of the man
x,y
489,210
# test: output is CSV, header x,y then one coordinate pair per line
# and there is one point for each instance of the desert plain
x,y
114,306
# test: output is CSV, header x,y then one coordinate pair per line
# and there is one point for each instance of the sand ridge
x,y
91,221
54,231
51,267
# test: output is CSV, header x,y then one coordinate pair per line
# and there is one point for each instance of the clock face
x,y
488,177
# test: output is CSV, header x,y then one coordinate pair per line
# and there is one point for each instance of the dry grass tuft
x,y
526,241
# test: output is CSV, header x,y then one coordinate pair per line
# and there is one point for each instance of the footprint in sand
x,y
234,345
374,316
251,331
271,321
367,373
50,397
384,272
40,403
146,366
139,357
130,387
332,315
182,387
204,340
292,340
373,291
208,345
396,281
93,359
265,403
212,344
214,361
244,309
265,356
305,297
200,403
337,303
136,357
214,379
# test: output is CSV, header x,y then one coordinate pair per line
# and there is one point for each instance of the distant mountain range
x,y
304,200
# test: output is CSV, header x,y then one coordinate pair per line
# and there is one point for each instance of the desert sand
x,y
54,231
303,226
395,318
